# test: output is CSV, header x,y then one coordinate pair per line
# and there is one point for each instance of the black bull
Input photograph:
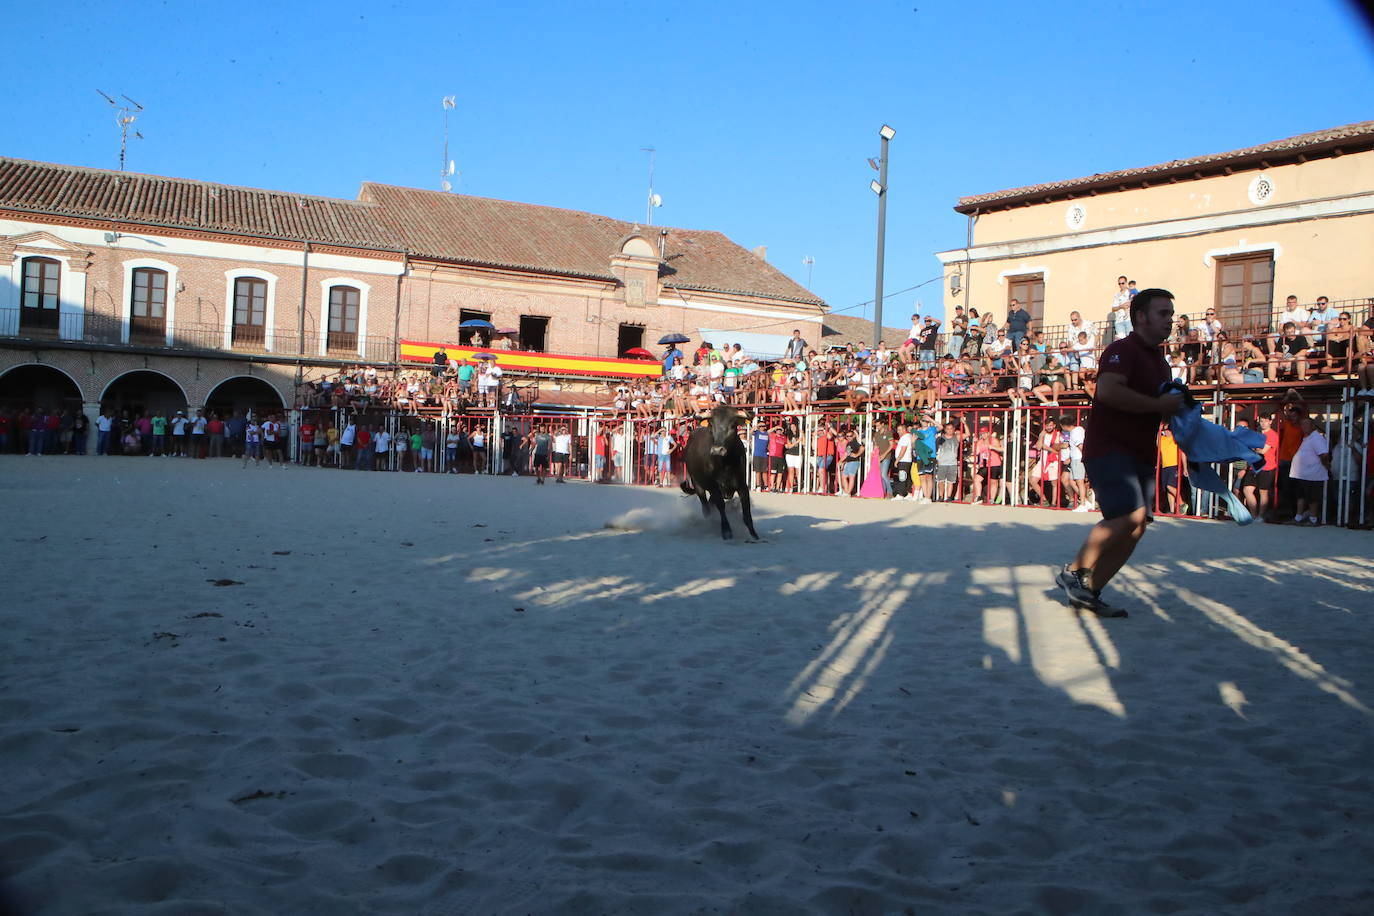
x,y
717,468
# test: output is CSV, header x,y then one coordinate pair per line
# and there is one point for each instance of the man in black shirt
x,y
930,335
1290,352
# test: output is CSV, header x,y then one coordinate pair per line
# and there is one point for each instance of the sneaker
x,y
1081,507
1079,595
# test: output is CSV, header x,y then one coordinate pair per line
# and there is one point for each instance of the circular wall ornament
x,y
1075,216
1261,189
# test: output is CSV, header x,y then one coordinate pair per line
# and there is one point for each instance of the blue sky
x,y
763,113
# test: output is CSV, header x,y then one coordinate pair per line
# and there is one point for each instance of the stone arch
x,y
140,389
242,393
22,382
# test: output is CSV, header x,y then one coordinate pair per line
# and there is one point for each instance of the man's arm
x,y
1113,391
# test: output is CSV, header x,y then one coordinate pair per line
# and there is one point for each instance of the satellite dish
x,y
446,185
656,200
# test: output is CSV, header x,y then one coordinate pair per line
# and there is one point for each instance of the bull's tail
x,y
687,486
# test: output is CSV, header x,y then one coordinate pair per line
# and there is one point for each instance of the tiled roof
x,y
499,233
65,190
450,227
1318,142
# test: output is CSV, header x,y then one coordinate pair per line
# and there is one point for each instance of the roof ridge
x,y
449,195
1295,143
115,173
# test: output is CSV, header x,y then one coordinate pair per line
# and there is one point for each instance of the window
x,y
631,336
1030,290
250,311
343,317
466,335
1245,291
148,310
39,295
534,332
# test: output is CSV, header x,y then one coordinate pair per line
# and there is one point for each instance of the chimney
x,y
761,252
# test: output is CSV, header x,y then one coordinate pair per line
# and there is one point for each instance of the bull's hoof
x,y
727,535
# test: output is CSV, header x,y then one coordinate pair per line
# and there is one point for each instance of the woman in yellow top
x,y
1169,470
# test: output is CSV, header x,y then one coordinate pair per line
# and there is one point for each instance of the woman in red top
x,y
777,463
825,458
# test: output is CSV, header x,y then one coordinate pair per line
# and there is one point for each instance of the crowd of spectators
x,y
451,384
1019,361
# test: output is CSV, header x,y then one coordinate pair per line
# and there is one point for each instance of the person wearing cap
x,y
180,427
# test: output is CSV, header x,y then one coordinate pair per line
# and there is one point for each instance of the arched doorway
x,y
38,386
244,393
144,390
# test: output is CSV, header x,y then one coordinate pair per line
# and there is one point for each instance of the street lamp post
x,y
879,187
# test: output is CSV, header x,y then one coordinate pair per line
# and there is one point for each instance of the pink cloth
x,y
873,480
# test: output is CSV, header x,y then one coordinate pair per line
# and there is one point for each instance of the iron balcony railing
x,y
109,331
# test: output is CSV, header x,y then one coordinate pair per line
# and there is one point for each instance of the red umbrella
x,y
640,352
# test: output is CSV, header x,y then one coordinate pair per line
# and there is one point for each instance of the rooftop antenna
x,y
654,200
448,169
808,262
128,114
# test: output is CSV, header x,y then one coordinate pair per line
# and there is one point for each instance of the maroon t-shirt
x,y
1110,430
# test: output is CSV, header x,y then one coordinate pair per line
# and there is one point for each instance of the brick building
x,y
139,290
1237,231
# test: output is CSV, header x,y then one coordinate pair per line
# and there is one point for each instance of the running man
x,y
1119,449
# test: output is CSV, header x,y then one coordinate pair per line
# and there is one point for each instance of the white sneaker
x,y
1081,507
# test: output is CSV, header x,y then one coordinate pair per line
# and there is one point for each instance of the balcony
x,y
110,333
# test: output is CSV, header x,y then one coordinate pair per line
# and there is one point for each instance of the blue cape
x,y
1205,443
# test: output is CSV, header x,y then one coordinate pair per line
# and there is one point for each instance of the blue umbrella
x,y
674,339
477,323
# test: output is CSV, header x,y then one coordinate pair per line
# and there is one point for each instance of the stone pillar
x,y
92,411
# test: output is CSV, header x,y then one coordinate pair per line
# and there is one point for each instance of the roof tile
x,y
65,190
1362,131
500,233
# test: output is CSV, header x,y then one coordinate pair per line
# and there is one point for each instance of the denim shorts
x,y
1122,483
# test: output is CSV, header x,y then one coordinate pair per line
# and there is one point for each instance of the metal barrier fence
x,y
1010,456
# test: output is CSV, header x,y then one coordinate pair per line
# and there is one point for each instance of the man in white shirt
x,y
1292,312
103,424
1074,435
903,457
381,445
1310,470
1077,325
562,448
180,427
995,348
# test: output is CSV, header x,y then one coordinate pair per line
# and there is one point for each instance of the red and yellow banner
x,y
422,351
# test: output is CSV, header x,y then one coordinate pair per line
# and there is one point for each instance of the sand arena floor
x,y
427,694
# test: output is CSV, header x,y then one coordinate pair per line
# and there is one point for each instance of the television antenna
x,y
808,262
448,169
128,114
654,200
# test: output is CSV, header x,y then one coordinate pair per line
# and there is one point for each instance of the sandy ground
x,y
426,694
